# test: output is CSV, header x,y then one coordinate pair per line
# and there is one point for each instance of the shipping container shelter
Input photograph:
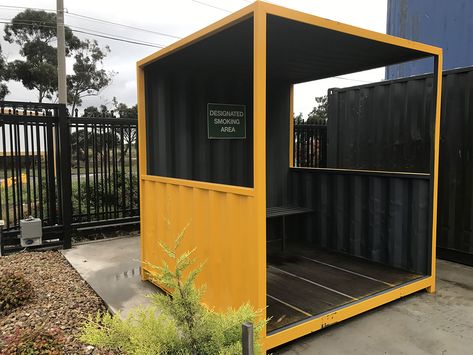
x,y
215,137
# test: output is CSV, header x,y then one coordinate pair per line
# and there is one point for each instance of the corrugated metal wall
x,y
413,95
455,217
277,142
177,94
382,126
446,24
384,218
221,228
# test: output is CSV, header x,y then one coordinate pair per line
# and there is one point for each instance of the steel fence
x,y
104,169
310,145
73,173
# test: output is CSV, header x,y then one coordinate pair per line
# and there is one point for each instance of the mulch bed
x,y
62,299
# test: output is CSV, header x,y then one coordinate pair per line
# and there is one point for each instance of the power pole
x,y
61,52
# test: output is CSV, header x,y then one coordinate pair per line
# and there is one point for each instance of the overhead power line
x,y
90,18
119,39
26,8
349,79
122,25
212,6
217,7
97,34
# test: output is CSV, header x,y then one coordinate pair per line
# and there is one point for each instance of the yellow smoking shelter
x,y
310,247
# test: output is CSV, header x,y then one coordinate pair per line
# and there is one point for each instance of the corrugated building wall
x,y
446,24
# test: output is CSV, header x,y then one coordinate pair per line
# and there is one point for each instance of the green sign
x,y
226,121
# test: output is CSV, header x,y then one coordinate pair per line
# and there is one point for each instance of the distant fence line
x,y
310,145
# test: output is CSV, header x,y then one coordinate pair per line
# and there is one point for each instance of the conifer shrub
x,y
177,323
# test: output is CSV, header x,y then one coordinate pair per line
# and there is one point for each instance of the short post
x,y
247,339
2,223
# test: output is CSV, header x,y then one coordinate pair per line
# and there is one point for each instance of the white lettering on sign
x,y
226,113
226,121
228,129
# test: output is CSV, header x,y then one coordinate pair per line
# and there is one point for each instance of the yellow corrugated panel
x,y
221,225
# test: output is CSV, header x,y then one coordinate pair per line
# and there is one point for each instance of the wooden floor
x,y
306,284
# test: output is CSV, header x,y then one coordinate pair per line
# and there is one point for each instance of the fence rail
x,y
73,173
310,145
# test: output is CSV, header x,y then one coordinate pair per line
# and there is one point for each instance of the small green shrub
x,y
175,324
40,340
107,195
15,291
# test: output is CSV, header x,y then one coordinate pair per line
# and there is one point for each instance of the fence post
x,y
65,183
247,339
51,173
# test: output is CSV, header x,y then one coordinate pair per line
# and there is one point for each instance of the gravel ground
x,y
61,297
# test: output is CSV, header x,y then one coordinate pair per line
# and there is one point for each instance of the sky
x,y
179,18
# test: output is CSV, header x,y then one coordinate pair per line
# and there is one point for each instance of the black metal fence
x,y
104,172
73,173
310,145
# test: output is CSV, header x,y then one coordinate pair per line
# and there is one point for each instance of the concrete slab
x,y
112,269
418,324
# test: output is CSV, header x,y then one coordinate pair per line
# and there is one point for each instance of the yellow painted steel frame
x,y
227,224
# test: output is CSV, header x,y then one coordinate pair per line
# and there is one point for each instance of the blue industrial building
x,y
446,24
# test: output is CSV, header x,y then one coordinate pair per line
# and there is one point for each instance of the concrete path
x,y
112,269
418,324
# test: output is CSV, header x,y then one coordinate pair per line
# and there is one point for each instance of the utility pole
x,y
61,52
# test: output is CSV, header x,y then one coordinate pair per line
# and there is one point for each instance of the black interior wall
x,y
179,87
381,126
277,142
381,218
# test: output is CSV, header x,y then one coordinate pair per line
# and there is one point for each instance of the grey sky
x,y
181,18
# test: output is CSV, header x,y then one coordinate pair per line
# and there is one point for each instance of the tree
x,y
123,110
130,135
298,118
89,77
319,113
92,111
3,76
101,139
34,31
